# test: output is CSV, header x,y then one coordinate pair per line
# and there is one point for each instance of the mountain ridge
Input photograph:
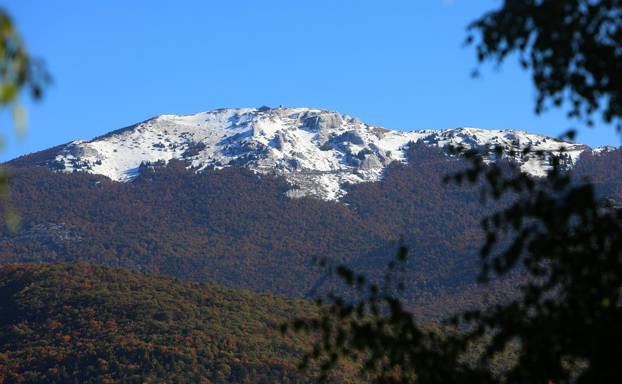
x,y
319,152
233,227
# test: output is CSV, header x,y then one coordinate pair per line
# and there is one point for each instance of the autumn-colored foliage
x,y
135,328
236,228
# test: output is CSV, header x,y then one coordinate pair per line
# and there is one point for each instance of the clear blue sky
x,y
399,64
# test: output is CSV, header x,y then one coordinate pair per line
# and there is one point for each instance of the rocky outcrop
x,y
319,152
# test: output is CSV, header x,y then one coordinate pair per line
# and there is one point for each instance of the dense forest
x,y
80,323
237,228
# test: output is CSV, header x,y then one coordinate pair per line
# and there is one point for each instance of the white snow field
x,y
317,151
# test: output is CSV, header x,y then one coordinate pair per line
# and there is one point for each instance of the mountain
x,y
236,224
318,152
81,323
170,251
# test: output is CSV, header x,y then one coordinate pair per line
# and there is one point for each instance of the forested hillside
x,y
79,323
237,228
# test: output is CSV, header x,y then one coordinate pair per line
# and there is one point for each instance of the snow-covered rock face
x,y
316,151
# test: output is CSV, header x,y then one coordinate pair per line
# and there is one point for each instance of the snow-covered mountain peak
x,y
317,151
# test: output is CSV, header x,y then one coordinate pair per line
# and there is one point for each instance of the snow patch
x,y
317,151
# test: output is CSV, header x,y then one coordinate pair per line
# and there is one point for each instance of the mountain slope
x,y
81,323
237,227
232,227
318,152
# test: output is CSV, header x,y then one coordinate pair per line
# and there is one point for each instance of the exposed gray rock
x,y
46,233
370,162
316,151
295,193
351,137
364,153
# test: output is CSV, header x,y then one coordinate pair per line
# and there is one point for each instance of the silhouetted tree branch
x,y
571,47
565,320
